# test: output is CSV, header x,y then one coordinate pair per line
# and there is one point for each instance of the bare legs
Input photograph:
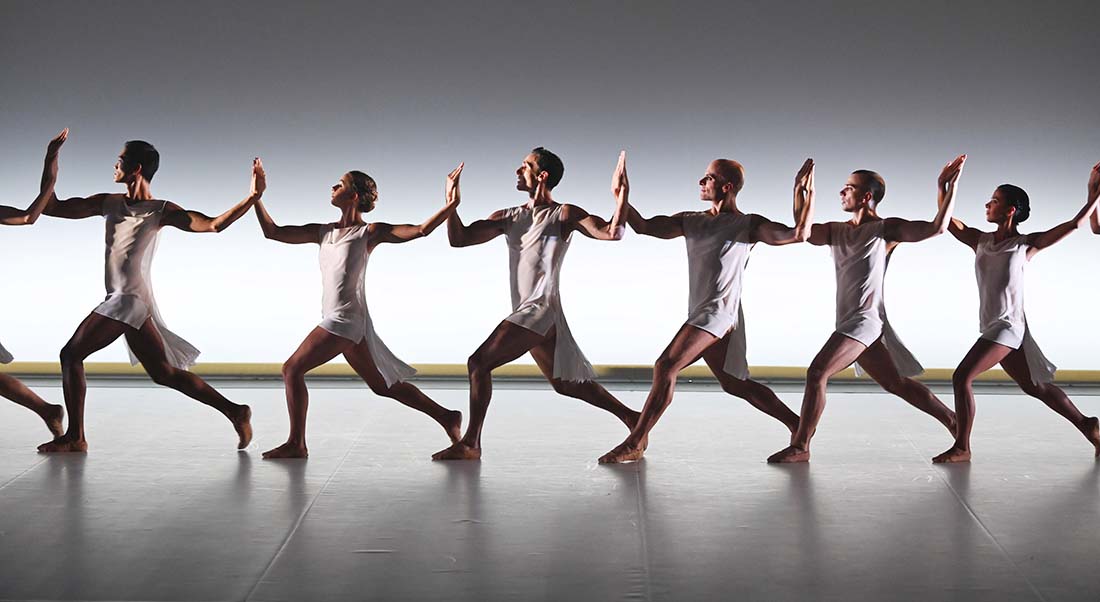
x,y
879,365
321,346
13,389
983,356
838,353
507,342
95,333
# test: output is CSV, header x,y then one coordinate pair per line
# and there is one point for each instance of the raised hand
x,y
1094,182
259,178
951,172
49,173
804,180
620,183
453,194
55,145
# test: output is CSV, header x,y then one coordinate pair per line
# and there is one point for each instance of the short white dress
x,y
999,267
131,242
718,249
343,258
860,258
536,249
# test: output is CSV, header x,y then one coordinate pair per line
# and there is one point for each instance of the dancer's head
x,y
724,178
1007,202
864,188
355,188
138,158
540,165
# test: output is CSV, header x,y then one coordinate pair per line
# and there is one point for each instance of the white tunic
x,y
860,257
343,258
536,249
999,267
131,242
718,250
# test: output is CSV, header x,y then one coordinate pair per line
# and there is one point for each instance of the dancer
x,y
538,234
861,248
999,261
346,327
718,243
11,387
134,219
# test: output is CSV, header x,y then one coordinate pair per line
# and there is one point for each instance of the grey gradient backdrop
x,y
406,90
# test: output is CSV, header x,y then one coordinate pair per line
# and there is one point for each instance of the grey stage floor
x,y
164,508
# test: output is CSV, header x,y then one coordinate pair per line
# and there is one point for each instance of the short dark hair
x,y
1016,197
873,182
366,188
140,152
733,172
551,164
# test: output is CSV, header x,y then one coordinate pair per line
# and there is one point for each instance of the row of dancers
x,y
538,232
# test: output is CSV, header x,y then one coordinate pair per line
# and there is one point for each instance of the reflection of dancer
x,y
11,387
718,244
999,261
133,221
346,327
860,249
538,235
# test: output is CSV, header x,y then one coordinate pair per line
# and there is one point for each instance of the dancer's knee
x,y
962,380
477,364
665,368
71,356
163,375
816,375
293,369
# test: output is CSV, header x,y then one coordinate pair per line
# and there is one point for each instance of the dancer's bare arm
x,y
397,233
1042,240
902,230
478,232
11,216
658,226
194,221
594,226
774,233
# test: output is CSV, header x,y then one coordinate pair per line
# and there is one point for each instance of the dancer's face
x,y
343,194
712,185
853,195
998,209
528,174
123,172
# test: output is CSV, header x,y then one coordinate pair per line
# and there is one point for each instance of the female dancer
x,y
346,327
11,387
999,262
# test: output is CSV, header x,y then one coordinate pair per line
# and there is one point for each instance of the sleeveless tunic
x,y
536,249
999,268
131,242
718,250
343,259
860,258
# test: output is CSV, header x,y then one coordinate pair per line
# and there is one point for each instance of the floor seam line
x,y
641,534
974,515
302,517
18,476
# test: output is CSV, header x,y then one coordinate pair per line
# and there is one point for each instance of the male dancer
x,y
134,219
718,242
861,247
11,387
538,234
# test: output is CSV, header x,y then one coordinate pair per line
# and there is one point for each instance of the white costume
x,y
999,267
859,253
131,239
536,248
343,258
718,250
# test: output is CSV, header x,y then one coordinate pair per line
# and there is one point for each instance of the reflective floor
x,y
164,508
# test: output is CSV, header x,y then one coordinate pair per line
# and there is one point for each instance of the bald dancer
x,y
861,248
719,240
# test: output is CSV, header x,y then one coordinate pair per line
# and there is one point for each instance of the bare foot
x,y
790,455
453,425
952,455
53,416
458,451
287,450
1092,433
623,452
64,444
242,423
952,424
633,422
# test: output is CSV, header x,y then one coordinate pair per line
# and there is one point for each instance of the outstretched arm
x,y
594,226
396,233
10,216
292,235
194,221
481,231
774,233
658,226
901,230
1042,240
